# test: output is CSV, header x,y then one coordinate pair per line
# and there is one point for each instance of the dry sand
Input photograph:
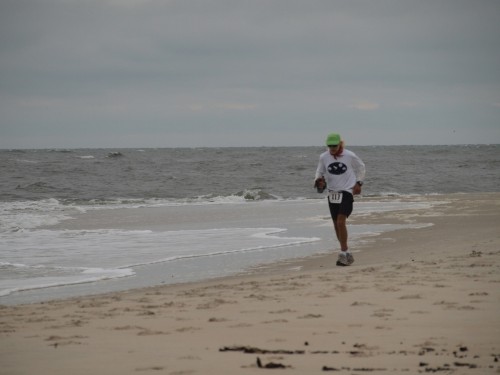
x,y
415,301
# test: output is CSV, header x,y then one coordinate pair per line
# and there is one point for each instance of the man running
x,y
342,172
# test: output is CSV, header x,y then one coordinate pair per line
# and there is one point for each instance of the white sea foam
x,y
91,255
19,215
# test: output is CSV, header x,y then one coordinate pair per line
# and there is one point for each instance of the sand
x,y
415,301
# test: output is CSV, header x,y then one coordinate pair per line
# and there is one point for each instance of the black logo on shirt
x,y
337,168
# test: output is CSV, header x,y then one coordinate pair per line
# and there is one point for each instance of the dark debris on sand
x,y
270,365
459,357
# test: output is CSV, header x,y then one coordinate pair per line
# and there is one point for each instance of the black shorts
x,y
344,208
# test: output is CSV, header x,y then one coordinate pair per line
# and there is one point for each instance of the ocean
x,y
85,221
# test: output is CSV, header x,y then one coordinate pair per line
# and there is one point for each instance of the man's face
x,y
333,149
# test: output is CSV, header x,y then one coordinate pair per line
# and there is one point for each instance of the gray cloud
x,y
167,73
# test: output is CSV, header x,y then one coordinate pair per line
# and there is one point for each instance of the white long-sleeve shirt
x,y
342,172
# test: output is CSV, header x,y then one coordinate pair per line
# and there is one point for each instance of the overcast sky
x,y
175,73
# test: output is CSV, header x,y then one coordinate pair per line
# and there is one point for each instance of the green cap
x,y
333,139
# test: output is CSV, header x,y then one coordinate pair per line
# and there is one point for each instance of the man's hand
x,y
356,189
320,184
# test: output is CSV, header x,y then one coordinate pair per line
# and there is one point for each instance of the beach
x,y
419,299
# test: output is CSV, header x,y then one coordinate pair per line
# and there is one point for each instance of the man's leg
x,y
340,226
345,257
340,213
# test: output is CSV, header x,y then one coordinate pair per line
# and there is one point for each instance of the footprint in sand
x,y
382,313
213,304
241,325
275,321
57,341
356,303
411,296
152,368
284,311
310,316
218,320
148,332
454,306
187,329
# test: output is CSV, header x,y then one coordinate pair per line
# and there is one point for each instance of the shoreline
x,y
304,222
414,300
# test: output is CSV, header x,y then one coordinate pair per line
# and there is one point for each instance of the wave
x,y
114,154
26,161
249,195
21,215
256,195
47,277
62,150
38,187
30,214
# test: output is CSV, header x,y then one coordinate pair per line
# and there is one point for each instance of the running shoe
x,y
350,258
342,260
